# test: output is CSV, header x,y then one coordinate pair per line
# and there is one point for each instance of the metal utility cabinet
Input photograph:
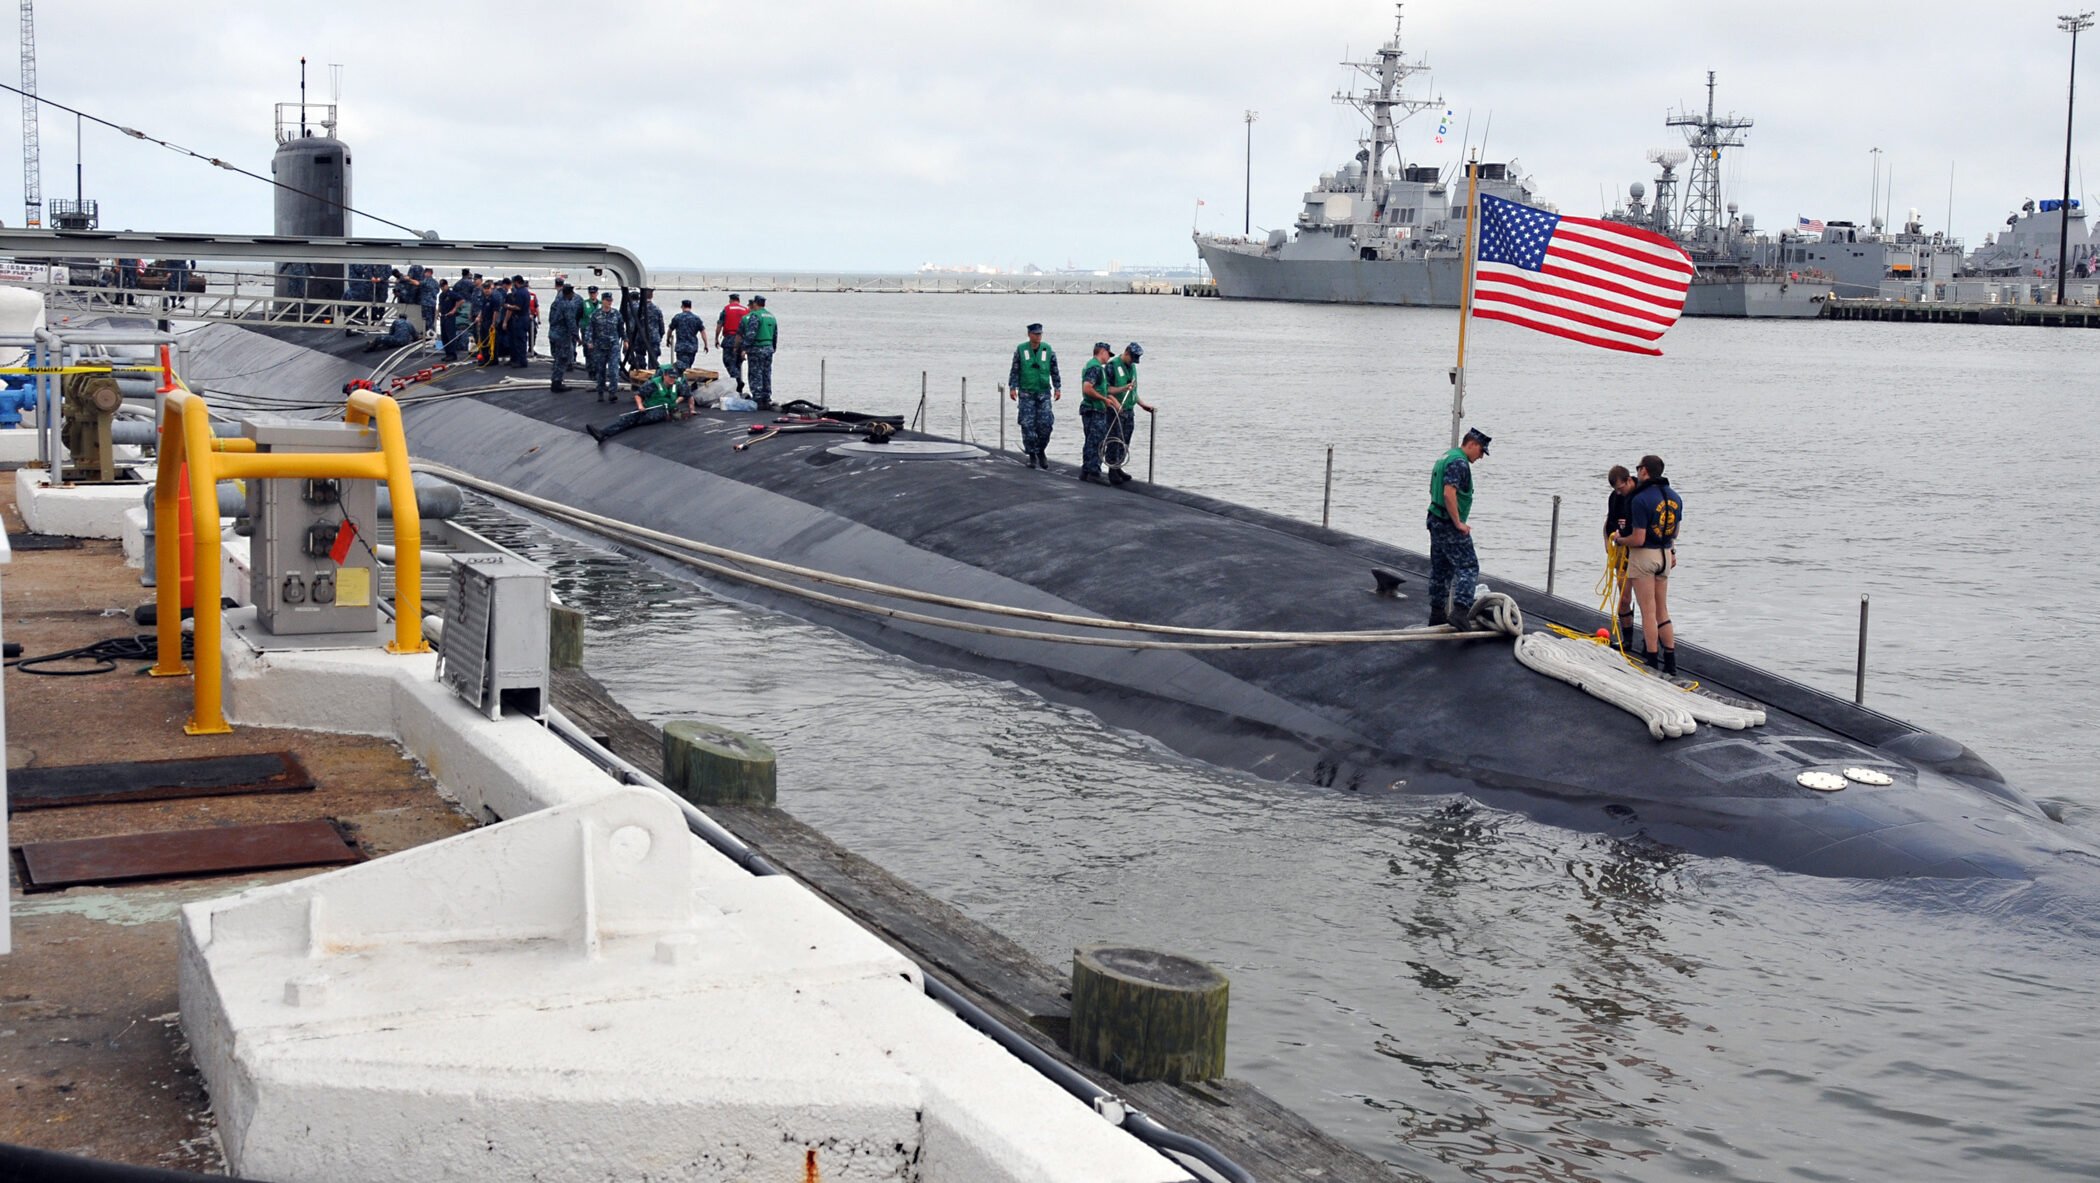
x,y
297,585
493,652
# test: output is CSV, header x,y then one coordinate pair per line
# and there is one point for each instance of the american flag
x,y
1812,225
1586,279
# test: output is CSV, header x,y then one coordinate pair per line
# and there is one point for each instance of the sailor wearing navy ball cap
x,y
1454,568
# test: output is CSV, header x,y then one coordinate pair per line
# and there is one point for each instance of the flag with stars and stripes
x,y
1602,283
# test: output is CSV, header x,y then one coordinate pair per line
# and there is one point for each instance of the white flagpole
x,y
1465,297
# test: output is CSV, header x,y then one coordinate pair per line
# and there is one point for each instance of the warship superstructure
x,y
1377,230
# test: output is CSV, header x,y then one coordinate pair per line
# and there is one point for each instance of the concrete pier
x,y
2058,316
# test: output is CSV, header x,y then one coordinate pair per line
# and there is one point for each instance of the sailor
x,y
427,300
654,401
605,342
649,326
449,303
517,321
497,312
690,335
1122,387
563,322
1096,410
1454,569
1033,382
1617,512
398,334
179,280
728,322
583,331
760,334
1651,543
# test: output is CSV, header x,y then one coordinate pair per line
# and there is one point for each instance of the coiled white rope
x,y
688,552
1669,710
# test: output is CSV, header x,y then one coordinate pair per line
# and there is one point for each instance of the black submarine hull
x,y
1446,717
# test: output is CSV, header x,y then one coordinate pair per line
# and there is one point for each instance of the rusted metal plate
x,y
174,854
156,780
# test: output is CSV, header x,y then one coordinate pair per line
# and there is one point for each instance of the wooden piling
x,y
564,637
1147,1015
710,765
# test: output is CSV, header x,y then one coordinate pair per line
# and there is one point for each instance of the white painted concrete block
x,y
133,536
18,445
78,511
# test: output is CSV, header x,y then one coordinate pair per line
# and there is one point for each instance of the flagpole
x,y
1465,296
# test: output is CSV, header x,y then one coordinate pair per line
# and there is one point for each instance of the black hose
x,y
106,655
20,1164
1137,1124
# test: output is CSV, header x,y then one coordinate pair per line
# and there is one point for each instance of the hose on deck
x,y
689,551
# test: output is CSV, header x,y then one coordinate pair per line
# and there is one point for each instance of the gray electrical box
x,y
297,585
493,651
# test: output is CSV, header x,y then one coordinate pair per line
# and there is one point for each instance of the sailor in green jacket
x,y
1034,383
760,333
1122,386
664,394
1454,568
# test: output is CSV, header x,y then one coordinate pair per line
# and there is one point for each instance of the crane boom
x,y
32,158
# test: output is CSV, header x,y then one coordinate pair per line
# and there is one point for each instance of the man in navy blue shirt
x,y
1650,538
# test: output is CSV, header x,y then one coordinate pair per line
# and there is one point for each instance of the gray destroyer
x,y
1376,230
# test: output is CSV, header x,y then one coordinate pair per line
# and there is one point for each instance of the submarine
x,y
1451,717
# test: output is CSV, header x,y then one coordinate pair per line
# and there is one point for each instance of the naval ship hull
x,y
1436,283
1448,718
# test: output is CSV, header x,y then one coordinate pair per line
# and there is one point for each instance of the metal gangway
x,y
270,297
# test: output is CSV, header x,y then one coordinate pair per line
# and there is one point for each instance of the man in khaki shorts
x,y
1651,542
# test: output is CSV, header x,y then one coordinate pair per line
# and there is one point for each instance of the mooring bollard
x,y
1553,545
710,765
1859,678
564,637
1145,1015
1327,488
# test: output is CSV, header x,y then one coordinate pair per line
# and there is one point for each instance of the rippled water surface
x,y
1464,993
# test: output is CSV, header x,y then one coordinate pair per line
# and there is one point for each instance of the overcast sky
x,y
882,134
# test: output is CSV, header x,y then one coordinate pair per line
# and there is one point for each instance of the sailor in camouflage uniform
x,y
605,339
563,324
1034,383
650,330
1096,409
760,334
1454,568
689,335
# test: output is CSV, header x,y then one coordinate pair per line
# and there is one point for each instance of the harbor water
x,y
1464,993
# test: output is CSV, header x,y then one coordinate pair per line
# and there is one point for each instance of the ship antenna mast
x,y
1385,93
1707,134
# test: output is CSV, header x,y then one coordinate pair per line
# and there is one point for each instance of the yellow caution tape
x,y
80,369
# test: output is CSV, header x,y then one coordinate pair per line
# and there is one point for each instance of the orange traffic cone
x,y
167,372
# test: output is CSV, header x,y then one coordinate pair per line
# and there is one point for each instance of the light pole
x,y
1247,228
2074,25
